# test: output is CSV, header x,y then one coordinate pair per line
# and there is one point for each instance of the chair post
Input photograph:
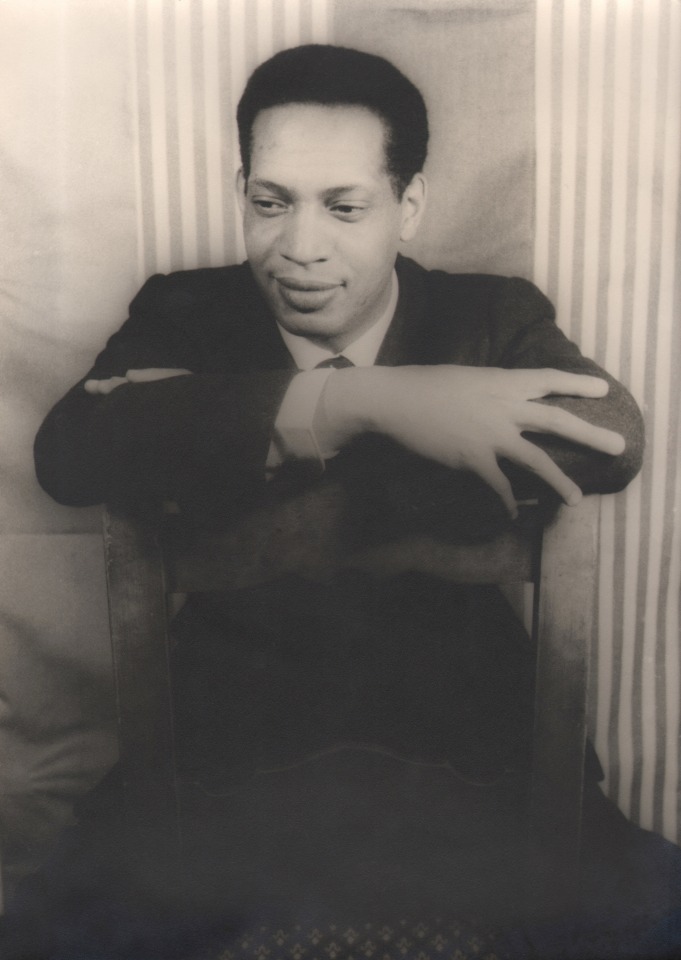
x,y
565,609
138,620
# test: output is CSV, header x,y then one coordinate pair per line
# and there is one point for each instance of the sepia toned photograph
x,y
341,513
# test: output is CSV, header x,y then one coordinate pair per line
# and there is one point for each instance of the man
x,y
440,401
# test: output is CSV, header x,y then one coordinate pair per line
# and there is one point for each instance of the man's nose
x,y
304,239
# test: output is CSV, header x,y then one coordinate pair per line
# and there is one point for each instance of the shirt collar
x,y
362,351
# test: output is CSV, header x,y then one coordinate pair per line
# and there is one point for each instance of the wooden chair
x,y
147,561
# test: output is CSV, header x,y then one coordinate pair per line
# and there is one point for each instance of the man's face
x,y
322,222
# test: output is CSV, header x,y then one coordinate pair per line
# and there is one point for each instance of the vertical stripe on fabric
x,y
669,306
217,126
238,76
264,29
175,186
569,87
291,22
593,177
556,129
637,339
618,175
134,40
543,124
199,134
645,341
320,21
184,53
227,161
158,134
659,361
140,25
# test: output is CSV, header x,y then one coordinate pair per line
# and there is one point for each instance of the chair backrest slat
x,y
309,535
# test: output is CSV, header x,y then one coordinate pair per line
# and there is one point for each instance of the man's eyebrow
x,y
335,192
271,186
332,193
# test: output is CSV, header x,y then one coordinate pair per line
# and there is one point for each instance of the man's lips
x,y
306,295
307,286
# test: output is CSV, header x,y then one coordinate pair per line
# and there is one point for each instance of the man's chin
x,y
311,324
303,319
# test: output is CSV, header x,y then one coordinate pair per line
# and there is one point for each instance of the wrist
x,y
350,404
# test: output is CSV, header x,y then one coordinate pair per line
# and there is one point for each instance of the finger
x,y
533,458
547,419
103,387
150,374
489,470
549,382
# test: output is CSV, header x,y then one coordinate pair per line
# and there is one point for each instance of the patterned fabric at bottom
x,y
404,940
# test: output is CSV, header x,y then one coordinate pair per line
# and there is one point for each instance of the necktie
x,y
337,362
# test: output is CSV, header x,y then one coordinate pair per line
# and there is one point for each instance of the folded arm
x,y
200,439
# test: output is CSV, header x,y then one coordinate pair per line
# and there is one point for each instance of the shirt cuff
x,y
294,436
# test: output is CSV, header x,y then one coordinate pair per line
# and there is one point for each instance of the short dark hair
x,y
330,75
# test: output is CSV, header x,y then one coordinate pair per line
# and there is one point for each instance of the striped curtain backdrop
x,y
606,252
608,103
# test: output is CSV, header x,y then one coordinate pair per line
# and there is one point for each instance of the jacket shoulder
x,y
471,317
184,289
484,290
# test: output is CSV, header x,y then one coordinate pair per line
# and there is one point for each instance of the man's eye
x,y
267,207
348,211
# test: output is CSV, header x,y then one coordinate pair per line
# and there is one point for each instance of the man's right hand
x,y
466,417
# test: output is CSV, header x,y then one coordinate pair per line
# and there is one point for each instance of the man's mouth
x,y
306,296
306,286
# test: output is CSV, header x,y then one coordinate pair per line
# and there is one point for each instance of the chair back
x,y
148,560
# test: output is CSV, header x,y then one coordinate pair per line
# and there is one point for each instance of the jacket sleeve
x,y
201,440
528,337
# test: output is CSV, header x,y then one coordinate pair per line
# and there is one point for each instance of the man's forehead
x,y
304,136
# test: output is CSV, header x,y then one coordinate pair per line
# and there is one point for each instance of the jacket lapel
x,y
403,343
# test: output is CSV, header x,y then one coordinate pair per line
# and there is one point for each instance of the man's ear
x,y
241,189
413,204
